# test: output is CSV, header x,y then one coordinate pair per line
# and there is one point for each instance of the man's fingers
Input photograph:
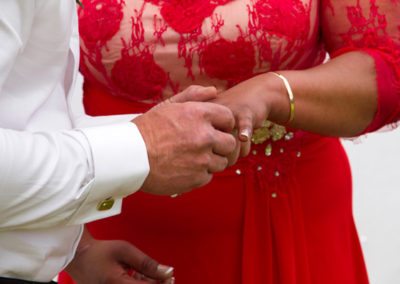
x,y
203,179
234,155
245,121
220,117
143,264
217,164
224,143
194,94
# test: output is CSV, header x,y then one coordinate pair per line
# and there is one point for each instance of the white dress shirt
x,y
56,166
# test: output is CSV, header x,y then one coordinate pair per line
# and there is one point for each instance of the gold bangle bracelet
x,y
290,95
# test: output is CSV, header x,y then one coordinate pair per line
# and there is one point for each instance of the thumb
x,y
195,93
144,264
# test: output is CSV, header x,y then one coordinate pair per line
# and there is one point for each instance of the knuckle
x,y
191,89
191,110
204,162
204,139
246,117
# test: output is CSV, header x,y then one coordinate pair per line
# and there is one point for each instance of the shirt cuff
x,y
120,166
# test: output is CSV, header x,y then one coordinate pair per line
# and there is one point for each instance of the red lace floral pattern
x,y
125,53
188,15
100,21
145,50
373,27
232,61
148,49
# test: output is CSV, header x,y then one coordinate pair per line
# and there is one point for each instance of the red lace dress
x,y
283,214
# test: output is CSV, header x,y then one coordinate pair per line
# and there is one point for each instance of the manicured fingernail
x,y
172,280
245,134
166,270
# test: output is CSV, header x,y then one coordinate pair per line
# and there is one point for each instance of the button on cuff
x,y
106,204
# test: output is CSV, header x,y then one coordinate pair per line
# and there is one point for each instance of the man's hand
x,y
186,141
115,262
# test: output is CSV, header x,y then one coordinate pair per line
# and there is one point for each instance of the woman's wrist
x,y
277,99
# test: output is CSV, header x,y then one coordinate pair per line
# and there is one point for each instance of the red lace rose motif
x,y
232,61
266,27
99,21
185,16
370,32
365,31
136,75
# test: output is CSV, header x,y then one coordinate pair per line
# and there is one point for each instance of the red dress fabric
x,y
283,215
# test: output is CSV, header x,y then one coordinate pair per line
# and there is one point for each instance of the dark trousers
x,y
19,281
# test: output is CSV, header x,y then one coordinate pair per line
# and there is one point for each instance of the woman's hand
x,y
253,101
115,262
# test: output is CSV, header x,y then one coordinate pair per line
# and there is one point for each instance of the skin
x,y
338,98
192,141
119,263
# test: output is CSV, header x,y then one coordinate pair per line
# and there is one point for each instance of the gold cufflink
x,y
106,204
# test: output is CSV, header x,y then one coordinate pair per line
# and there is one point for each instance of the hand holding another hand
x,y
252,102
187,141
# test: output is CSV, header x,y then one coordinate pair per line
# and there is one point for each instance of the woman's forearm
x,y
338,98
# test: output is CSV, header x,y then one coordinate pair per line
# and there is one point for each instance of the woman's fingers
x,y
244,123
139,261
245,148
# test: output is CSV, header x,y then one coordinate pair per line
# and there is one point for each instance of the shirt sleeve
x,y
372,27
13,33
53,178
46,178
81,119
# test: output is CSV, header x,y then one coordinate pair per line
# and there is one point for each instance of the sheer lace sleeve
x,y
374,27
